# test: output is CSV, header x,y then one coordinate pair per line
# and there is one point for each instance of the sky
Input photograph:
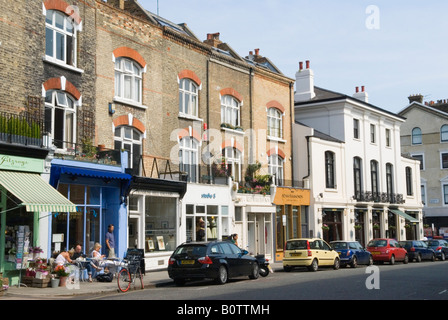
x,y
393,48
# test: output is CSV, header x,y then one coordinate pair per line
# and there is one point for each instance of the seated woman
x,y
65,257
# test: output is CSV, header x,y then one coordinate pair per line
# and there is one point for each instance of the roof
x,y
325,95
430,109
321,135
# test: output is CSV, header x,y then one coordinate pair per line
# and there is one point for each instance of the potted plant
x,y
325,227
36,251
62,273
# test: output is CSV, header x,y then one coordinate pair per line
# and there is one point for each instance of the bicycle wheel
x,y
124,280
140,276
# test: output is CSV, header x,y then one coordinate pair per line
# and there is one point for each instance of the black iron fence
x,y
379,197
21,129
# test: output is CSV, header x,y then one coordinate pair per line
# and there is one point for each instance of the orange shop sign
x,y
291,196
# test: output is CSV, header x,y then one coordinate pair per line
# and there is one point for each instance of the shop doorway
x,y
133,234
259,233
332,225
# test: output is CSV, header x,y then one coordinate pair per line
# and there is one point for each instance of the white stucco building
x,y
349,151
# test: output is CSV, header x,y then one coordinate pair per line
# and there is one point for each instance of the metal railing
x,y
379,197
22,129
86,152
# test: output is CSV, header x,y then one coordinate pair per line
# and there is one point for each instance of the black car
x,y
440,246
218,260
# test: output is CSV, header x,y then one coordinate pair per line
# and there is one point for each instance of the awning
x,y
34,193
83,172
404,215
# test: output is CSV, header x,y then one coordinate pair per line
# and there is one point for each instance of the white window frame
x,y
276,165
372,133
230,111
126,68
234,157
442,132
124,139
188,93
423,159
189,156
388,138
65,33
420,135
275,123
60,100
441,159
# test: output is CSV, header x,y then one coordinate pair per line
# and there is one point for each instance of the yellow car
x,y
310,253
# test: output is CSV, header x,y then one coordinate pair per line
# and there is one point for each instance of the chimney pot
x,y
300,66
307,64
363,88
257,52
357,89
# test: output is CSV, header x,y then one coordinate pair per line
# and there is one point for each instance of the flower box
x,y
41,283
41,274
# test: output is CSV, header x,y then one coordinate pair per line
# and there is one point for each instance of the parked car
x,y
352,253
218,260
440,247
310,253
387,250
418,250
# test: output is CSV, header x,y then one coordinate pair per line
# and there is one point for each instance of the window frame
x,y
374,177
330,170
442,133
356,131
275,123
276,166
192,92
372,133
189,146
130,141
233,157
66,33
416,138
121,73
389,178
357,175
230,104
409,185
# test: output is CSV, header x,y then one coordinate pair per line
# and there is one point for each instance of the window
x,y
188,97
230,111
233,162
374,177
409,190
444,133
330,180
445,193
372,133
130,140
357,173
416,136
389,179
388,141
444,159
276,168
60,38
356,128
188,158
423,190
275,123
60,118
128,80
420,158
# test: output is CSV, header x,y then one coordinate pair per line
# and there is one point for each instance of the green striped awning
x,y
404,215
34,193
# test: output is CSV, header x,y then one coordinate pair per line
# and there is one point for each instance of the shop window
x,y
60,118
206,223
160,224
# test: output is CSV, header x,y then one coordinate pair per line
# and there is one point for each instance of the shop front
x,y
291,217
99,193
26,200
207,213
154,220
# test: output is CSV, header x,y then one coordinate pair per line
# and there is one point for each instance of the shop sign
x,y
208,196
8,162
290,196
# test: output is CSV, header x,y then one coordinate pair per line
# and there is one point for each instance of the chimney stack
x,y
416,98
213,39
304,83
361,95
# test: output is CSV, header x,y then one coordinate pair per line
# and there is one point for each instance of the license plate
x,y
375,252
296,254
339,253
187,262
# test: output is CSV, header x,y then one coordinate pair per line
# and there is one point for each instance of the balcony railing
x,y
21,129
379,197
87,152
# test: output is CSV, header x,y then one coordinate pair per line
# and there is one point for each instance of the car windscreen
x,y
297,245
433,243
377,243
406,244
339,245
191,251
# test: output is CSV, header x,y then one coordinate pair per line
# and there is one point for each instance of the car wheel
x,y
433,257
354,263
443,257
255,272
406,259
370,261
287,268
392,260
179,282
222,275
419,258
314,266
337,264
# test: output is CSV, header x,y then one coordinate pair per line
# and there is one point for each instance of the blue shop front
x,y
99,192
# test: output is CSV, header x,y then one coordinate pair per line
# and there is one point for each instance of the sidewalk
x,y
152,279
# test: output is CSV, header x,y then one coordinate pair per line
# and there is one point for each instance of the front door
x,y
259,233
133,233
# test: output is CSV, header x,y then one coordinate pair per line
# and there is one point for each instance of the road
x,y
414,281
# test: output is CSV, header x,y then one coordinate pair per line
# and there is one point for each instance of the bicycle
x,y
131,270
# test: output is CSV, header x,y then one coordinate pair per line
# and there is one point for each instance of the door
x,y
133,241
259,233
232,260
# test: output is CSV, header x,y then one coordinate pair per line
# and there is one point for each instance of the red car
x,y
387,250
